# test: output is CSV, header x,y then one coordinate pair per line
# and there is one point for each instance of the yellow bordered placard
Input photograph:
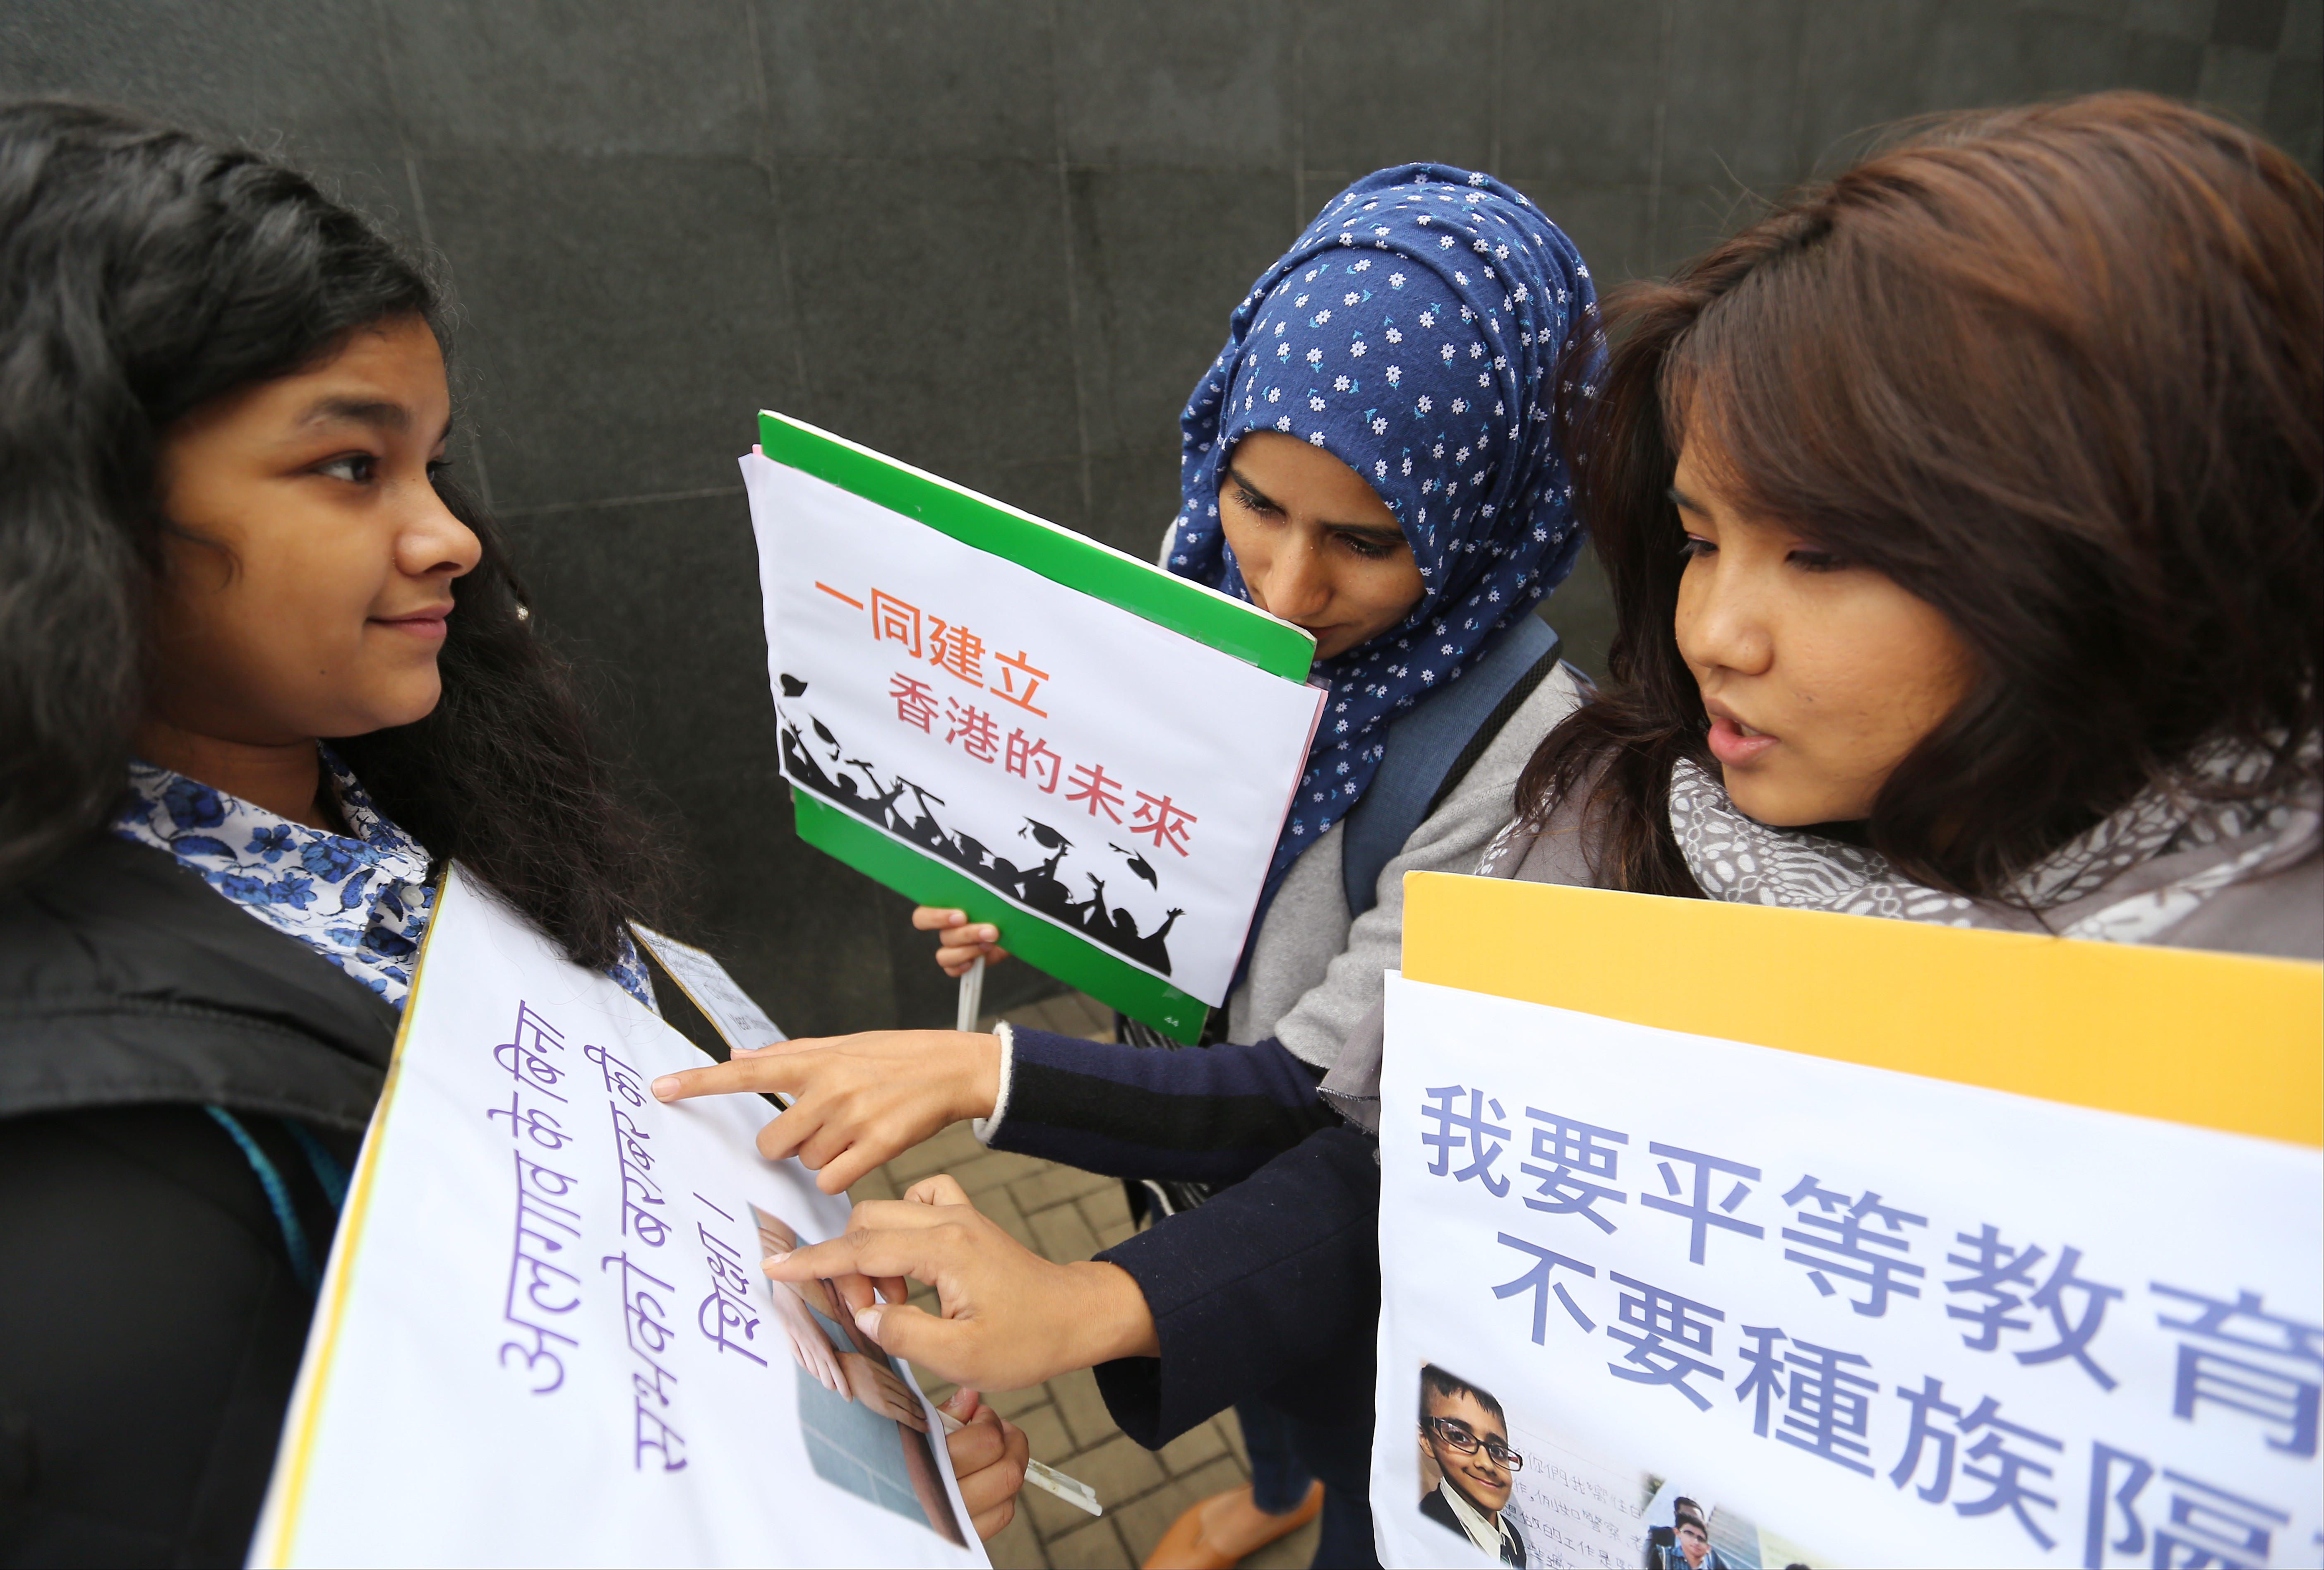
x,y
2216,1040
271,1544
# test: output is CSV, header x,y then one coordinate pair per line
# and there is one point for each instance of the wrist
x,y
979,1073
1113,1320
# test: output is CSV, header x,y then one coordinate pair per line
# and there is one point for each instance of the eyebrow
x,y
1382,531
1684,502
380,413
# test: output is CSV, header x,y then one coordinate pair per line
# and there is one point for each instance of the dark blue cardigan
x,y
1272,1289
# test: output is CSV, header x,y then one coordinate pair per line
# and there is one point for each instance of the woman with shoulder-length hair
x,y
1963,523
1962,516
264,670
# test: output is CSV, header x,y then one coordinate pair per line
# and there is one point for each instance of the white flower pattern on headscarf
x,y
1411,332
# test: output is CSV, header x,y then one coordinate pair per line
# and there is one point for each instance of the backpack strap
x,y
1433,747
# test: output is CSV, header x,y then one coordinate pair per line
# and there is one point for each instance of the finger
x,y
847,1168
759,1071
893,1288
973,935
962,1404
854,1291
919,1251
975,1447
944,1188
784,1135
803,1044
931,917
825,1369
962,954
901,1406
912,1215
988,1487
988,1525
946,1348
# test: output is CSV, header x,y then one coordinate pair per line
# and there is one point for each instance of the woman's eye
x,y
1369,549
355,468
1695,544
1253,504
1819,560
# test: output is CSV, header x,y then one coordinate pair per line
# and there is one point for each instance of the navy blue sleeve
x,y
1212,1114
1271,1288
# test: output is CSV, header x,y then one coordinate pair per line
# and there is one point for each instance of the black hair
x,y
1433,1378
143,272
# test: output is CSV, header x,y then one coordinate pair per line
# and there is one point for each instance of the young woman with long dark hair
x,y
1963,521
265,668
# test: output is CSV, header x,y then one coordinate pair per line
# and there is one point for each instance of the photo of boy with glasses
x,y
1462,1428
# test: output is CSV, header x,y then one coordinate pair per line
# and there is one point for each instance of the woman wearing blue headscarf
x,y
1370,456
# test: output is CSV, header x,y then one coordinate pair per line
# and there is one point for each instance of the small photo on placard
x,y
1522,1496
862,1421
1467,1466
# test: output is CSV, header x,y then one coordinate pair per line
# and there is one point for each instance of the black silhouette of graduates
x,y
1037,887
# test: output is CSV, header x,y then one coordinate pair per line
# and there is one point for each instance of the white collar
x,y
1486,1531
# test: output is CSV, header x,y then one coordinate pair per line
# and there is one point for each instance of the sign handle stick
x,y
971,995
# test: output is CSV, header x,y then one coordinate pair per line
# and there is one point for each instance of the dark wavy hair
x,y
145,272
2058,371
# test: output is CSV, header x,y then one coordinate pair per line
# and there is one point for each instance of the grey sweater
x,y
1315,973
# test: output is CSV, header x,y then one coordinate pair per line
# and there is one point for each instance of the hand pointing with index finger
x,y
1009,1318
856,1100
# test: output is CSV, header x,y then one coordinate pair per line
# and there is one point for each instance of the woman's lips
x,y
1732,746
427,625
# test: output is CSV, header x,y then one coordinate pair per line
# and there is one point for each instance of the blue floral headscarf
x,y
1411,333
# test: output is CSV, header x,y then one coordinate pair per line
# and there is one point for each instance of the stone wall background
x,y
998,238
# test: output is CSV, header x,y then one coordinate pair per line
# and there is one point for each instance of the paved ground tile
x,y
1095,1544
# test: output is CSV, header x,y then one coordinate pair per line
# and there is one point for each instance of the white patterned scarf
x,y
2197,846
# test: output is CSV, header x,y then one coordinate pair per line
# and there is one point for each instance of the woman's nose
x,y
1720,626
1300,587
434,541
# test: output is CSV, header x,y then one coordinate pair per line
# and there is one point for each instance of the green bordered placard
x,y
1063,557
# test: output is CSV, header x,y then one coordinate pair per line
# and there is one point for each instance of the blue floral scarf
x,y
360,900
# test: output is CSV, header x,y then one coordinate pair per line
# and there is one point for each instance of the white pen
x,y
1047,1478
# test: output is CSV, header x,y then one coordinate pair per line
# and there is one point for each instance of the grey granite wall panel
x,y
1383,82
307,77
932,309
1161,258
1207,83
1581,90
597,76
910,80
632,310
1001,238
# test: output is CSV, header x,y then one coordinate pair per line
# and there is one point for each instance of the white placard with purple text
x,y
543,1337
1781,1309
